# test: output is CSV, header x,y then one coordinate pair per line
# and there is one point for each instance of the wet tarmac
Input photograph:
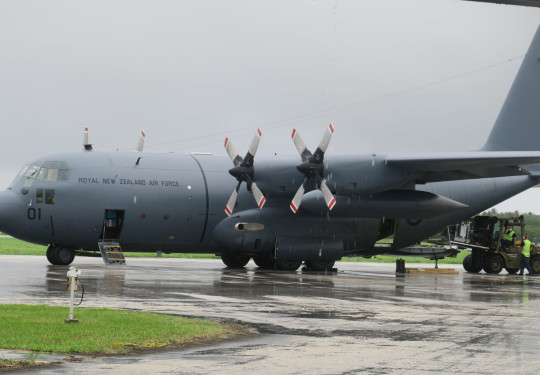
x,y
362,319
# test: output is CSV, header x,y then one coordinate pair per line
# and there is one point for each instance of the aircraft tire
x,y
265,261
235,261
493,263
318,265
50,255
535,263
288,265
60,256
469,266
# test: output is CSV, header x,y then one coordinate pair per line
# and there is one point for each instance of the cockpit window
x,y
63,174
55,165
56,170
41,173
23,170
49,171
52,175
31,171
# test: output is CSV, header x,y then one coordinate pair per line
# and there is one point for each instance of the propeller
x,y
312,167
243,171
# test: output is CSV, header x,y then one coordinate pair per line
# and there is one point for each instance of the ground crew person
x,y
509,237
525,253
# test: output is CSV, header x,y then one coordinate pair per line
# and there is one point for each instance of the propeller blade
x,y
295,203
327,194
140,145
233,154
259,196
229,208
312,167
305,154
243,171
248,160
323,145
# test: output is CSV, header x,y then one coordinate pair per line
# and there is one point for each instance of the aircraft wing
x,y
466,165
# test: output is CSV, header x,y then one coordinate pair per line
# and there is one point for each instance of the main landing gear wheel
x,y
265,261
469,266
288,265
318,265
494,263
59,255
235,261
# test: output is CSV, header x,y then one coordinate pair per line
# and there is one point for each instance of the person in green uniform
x,y
525,253
509,237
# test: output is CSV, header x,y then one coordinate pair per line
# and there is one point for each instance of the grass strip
x,y
13,246
102,331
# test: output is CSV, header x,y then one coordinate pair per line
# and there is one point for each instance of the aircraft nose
x,y
10,212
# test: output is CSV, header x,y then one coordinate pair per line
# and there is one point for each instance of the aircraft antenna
x,y
87,146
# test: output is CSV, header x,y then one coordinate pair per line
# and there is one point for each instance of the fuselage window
x,y
49,196
39,196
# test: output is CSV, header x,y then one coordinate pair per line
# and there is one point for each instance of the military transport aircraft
x,y
315,209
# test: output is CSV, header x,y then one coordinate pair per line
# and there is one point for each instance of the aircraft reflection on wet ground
x,y
307,322
252,282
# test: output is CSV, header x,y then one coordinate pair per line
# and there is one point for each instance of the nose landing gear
x,y
60,255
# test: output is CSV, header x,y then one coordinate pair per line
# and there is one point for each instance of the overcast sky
x,y
392,75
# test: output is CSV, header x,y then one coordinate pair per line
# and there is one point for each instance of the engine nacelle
x,y
244,233
280,233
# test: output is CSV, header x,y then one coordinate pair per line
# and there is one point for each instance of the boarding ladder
x,y
111,252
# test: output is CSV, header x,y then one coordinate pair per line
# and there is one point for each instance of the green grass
x,y
102,331
12,246
173,255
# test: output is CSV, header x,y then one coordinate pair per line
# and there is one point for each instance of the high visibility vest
x,y
509,235
526,249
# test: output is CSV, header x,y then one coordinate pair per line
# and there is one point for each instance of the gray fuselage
x,y
175,203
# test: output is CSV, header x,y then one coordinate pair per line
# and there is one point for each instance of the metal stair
x,y
111,253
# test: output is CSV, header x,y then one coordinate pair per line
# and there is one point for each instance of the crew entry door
x,y
112,225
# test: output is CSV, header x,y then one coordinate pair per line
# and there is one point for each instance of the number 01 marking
x,y
33,214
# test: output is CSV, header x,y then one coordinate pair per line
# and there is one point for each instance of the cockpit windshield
x,y
48,171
